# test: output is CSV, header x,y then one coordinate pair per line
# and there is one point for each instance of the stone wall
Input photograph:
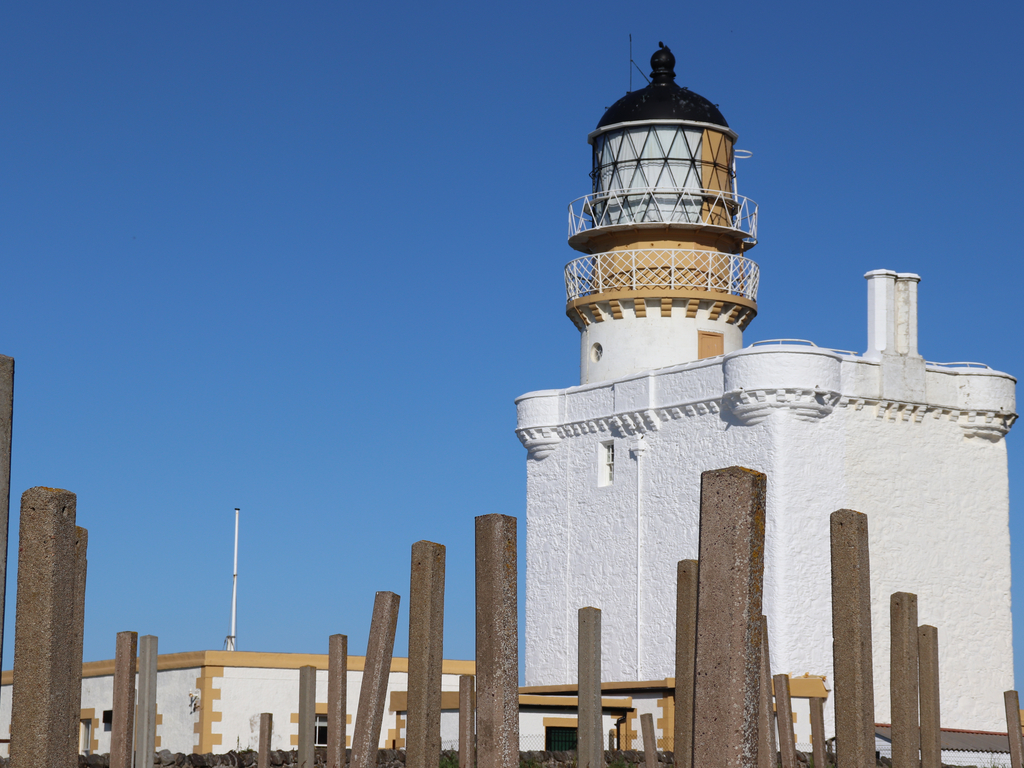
x,y
395,758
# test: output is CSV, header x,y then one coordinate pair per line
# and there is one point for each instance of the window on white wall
x,y
606,463
85,736
320,731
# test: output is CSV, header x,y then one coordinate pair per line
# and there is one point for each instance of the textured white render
x,y
634,343
918,448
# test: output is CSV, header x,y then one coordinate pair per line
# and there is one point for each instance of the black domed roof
x,y
663,99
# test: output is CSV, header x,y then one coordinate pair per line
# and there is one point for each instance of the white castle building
x,y
667,390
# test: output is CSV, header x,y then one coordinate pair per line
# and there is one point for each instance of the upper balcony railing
x,y
661,269
701,207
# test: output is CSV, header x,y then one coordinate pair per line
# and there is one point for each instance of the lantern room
x,y
665,232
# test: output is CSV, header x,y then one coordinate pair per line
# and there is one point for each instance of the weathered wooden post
x,y
590,742
906,737
6,424
44,691
851,640
376,671
928,664
122,729
728,648
650,740
307,715
686,638
77,638
497,643
426,632
767,751
817,705
467,721
337,699
266,734
145,719
1012,704
784,717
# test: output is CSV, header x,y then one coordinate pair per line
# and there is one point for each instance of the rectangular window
x,y
108,719
320,731
559,739
85,736
709,344
606,463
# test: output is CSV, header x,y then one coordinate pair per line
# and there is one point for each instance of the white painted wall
x,y
831,431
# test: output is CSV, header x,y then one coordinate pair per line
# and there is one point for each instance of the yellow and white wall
x,y
210,701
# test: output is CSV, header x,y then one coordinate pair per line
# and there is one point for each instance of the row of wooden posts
x,y
723,696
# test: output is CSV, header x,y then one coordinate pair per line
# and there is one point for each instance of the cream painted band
x,y
706,126
580,240
656,293
561,722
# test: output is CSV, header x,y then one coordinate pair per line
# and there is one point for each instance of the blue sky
x,y
301,259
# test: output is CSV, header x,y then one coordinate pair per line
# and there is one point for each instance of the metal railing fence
x,y
645,205
666,269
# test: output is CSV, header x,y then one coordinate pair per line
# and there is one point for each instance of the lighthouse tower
x,y
661,297
665,280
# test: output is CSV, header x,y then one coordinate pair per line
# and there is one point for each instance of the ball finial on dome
x,y
663,65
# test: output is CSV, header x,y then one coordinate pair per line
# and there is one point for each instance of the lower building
x,y
210,701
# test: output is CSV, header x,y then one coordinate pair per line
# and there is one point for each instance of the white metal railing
x,y
958,365
673,269
706,207
803,341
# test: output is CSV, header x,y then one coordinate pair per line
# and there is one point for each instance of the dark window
x,y
558,739
108,719
320,731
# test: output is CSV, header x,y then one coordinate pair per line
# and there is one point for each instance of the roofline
x,y
254,659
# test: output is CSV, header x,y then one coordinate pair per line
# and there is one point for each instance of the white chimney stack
x,y
892,313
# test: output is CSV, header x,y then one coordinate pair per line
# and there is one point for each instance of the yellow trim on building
x,y
806,687
207,716
667,722
94,739
394,734
626,739
627,685
561,722
399,701
321,709
572,701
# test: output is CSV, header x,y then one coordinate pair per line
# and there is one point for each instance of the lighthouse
x,y
665,279
662,295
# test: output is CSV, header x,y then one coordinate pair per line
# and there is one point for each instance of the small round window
x,y
595,352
